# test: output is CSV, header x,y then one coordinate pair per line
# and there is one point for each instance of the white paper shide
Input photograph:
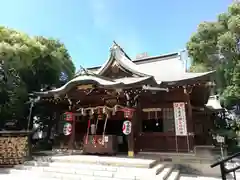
x,y
180,119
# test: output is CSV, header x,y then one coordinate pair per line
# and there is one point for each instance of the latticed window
x,y
158,120
168,118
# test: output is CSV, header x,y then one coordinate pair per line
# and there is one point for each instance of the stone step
x,y
198,178
51,175
192,177
85,171
165,173
94,168
174,175
22,177
87,168
112,161
39,173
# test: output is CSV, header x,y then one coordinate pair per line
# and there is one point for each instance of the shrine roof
x,y
159,70
143,60
100,82
164,68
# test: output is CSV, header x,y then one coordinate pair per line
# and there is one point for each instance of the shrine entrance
x,y
90,130
114,127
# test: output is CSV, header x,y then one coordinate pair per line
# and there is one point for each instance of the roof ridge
x,y
117,54
142,59
157,56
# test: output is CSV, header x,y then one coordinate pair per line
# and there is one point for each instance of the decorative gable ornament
x,y
115,67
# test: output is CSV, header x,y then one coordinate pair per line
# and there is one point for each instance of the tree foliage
x,y
12,92
216,46
34,63
198,67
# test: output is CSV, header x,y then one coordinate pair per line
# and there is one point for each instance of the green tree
x,y
198,67
39,63
216,46
12,92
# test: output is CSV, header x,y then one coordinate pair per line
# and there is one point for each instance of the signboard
x,y
180,119
220,139
84,87
67,129
127,127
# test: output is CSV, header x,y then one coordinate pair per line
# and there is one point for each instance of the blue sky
x,y
88,27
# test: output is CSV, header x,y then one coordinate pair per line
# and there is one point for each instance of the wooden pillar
x,y
190,124
137,126
130,137
131,142
71,140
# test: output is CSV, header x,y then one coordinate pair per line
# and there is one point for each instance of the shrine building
x,y
148,104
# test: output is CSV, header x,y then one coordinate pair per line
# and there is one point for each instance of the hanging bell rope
x,y
96,125
92,112
104,129
88,128
99,112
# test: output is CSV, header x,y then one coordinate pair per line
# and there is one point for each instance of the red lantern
x,y
68,116
128,113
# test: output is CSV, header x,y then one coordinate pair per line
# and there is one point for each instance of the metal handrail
x,y
225,171
225,160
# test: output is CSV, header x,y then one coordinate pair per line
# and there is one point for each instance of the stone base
x,y
130,154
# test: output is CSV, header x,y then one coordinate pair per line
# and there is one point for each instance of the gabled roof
x,y
117,55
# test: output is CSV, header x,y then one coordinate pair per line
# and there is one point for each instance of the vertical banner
x,y
180,119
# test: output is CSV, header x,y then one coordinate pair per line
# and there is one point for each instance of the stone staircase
x,y
81,167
